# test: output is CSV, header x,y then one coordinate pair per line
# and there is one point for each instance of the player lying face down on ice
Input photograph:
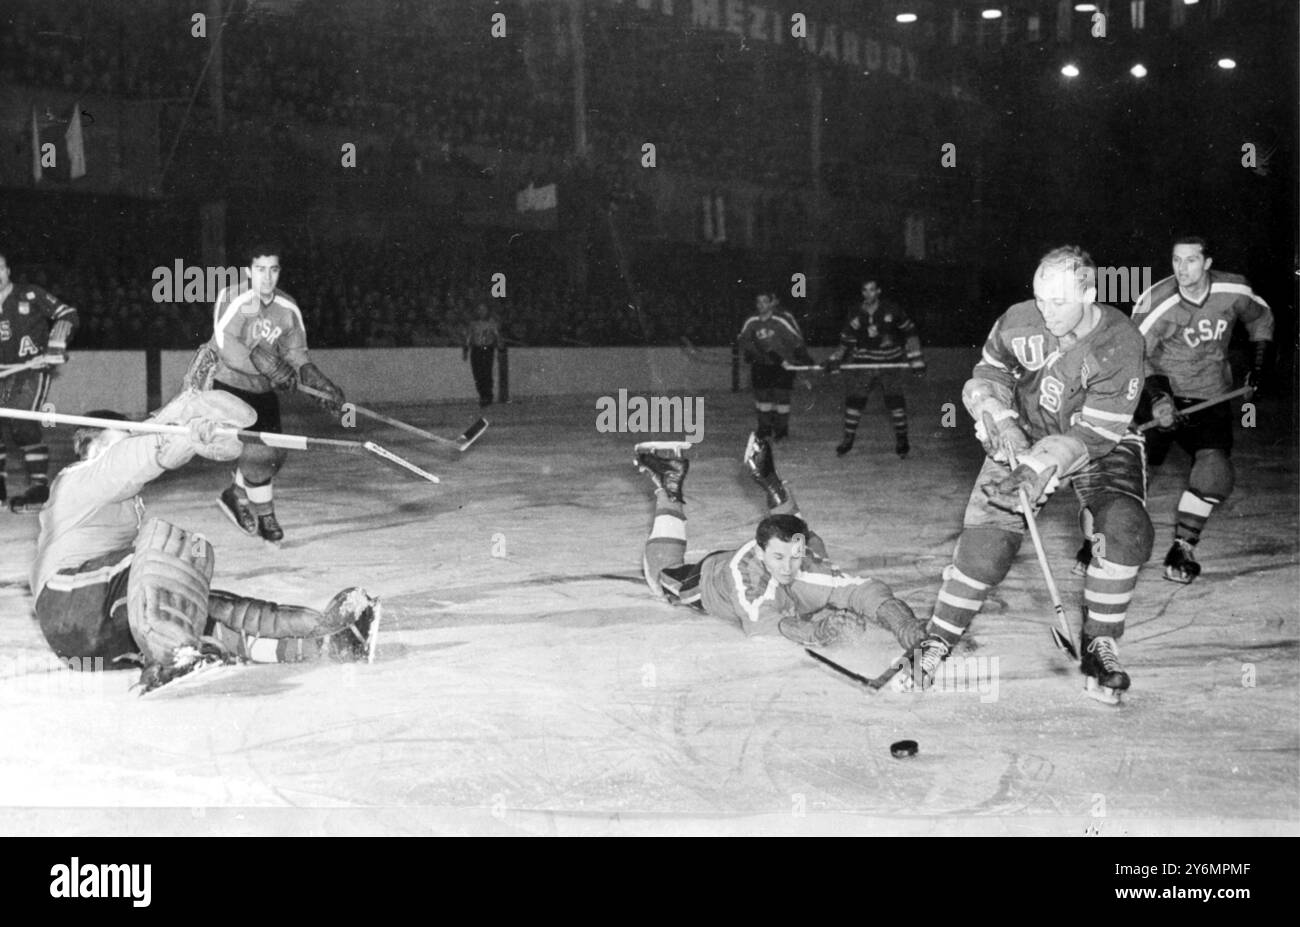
x,y
110,583
781,581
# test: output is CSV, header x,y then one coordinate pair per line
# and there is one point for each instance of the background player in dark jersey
x,y
877,332
110,584
1056,388
768,340
258,345
780,581
34,325
1187,320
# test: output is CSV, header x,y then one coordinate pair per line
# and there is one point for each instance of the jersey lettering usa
x,y
1188,342
1087,391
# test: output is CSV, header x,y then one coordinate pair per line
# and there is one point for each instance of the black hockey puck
x,y
902,749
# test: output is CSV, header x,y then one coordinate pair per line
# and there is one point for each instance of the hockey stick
x,y
818,368
269,438
1201,405
1060,636
36,363
467,437
875,684
698,355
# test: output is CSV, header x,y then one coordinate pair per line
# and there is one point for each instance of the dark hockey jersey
x,y
1188,342
27,316
1088,391
881,336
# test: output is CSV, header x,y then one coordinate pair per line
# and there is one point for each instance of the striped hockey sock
x,y
960,600
1194,510
1107,589
36,458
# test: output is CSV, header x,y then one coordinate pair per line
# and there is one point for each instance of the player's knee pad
x,y
985,553
1122,531
167,590
1212,474
260,464
781,397
895,401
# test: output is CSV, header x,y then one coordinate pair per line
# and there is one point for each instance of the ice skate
x,y
30,502
1104,678
1180,566
360,639
901,446
761,468
268,528
664,462
234,505
921,665
844,446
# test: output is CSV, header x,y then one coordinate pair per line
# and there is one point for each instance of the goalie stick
x,y
36,363
461,443
269,438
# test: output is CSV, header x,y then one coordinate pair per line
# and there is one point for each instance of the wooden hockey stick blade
x,y
400,462
1147,426
472,434
1060,636
872,684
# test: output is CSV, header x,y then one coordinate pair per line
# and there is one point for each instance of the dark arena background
x,y
616,182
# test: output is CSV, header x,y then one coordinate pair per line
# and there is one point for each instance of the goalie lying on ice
x,y
110,584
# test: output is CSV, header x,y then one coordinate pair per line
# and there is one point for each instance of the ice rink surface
x,y
527,683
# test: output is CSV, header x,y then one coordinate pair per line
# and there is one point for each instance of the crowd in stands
x,y
428,75
416,301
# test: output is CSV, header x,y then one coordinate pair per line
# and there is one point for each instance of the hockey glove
x,y
311,376
774,359
833,363
1005,493
1165,413
997,431
1254,382
56,351
803,358
274,367
918,366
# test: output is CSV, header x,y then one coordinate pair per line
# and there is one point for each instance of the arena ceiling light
x,y
1070,70
1138,70
1085,8
1227,64
991,14
905,18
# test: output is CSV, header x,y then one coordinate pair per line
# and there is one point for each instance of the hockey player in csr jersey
x,y
34,327
1055,391
781,581
877,332
258,345
768,340
1187,320
109,583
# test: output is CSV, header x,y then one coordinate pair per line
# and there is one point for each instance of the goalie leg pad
x,y
262,619
167,591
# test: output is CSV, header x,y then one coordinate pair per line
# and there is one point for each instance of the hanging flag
x,y
75,145
58,148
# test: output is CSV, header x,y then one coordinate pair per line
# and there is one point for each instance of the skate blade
x,y
1103,694
235,521
1080,568
652,446
372,640
1182,579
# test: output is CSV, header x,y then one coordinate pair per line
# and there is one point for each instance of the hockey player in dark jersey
x,y
110,583
34,329
877,332
769,340
781,581
1187,320
1055,390
258,345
